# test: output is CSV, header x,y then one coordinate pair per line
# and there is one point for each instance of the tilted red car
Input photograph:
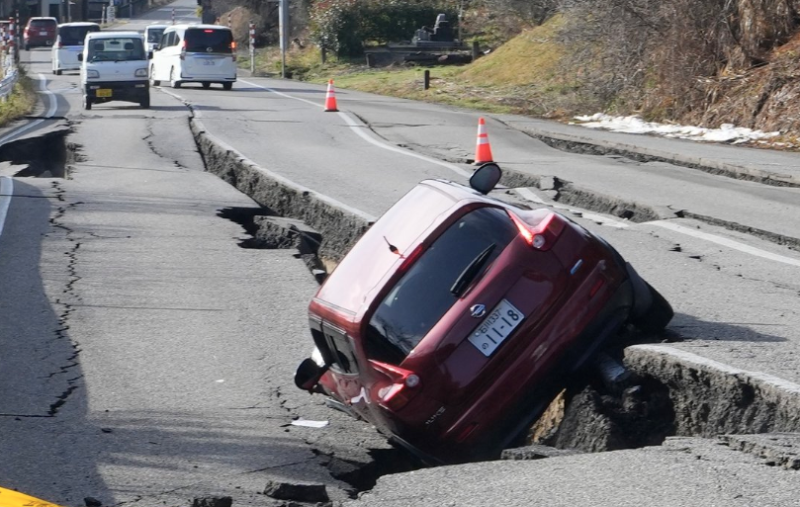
x,y
456,318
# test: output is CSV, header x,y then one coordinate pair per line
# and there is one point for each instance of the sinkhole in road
x,y
664,396
45,156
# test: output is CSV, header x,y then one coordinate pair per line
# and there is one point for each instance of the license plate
x,y
103,92
496,328
42,33
207,62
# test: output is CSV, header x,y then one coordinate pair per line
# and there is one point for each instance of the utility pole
x,y
283,28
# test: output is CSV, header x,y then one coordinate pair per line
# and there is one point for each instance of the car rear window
x,y
208,40
43,23
116,49
74,35
422,296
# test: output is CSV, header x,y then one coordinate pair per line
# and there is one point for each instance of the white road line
x,y
359,128
6,192
51,110
735,245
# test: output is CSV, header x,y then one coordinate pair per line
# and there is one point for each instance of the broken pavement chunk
x,y
213,501
536,452
299,492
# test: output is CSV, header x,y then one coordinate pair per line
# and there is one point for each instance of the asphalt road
x,y
151,356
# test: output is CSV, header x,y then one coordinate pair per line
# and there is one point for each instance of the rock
x,y
213,501
299,492
536,452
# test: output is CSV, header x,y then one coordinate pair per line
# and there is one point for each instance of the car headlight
x,y
140,72
92,74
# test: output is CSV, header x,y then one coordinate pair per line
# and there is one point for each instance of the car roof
x,y
157,26
39,18
205,27
369,265
112,35
79,23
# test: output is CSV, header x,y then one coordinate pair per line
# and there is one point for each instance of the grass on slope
x,y
525,75
20,102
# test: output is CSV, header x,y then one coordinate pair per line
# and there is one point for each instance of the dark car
x,y
456,318
40,32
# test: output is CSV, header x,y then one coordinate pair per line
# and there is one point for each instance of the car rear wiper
x,y
470,272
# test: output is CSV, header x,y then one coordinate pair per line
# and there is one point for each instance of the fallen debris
x,y
299,492
214,501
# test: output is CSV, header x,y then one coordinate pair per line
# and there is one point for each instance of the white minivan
x,y
203,54
114,67
152,35
69,44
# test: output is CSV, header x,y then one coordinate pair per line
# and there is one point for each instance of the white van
x,y
114,67
69,44
152,35
195,54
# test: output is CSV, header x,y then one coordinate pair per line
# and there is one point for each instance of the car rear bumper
x,y
132,91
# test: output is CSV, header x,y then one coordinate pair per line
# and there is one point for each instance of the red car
x,y
39,32
456,318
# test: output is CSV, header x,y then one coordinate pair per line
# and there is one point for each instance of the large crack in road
x,y
673,393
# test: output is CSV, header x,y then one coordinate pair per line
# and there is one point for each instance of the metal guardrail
x,y
10,76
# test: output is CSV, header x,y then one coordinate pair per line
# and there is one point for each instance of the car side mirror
x,y
149,55
308,374
80,57
485,178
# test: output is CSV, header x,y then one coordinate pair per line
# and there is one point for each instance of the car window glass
x,y
154,34
208,40
422,295
75,35
42,23
116,49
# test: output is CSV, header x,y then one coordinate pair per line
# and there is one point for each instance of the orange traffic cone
x,y
330,98
483,151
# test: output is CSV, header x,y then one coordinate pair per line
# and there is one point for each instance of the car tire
x,y
657,315
206,85
27,47
153,82
227,86
145,102
87,103
57,72
172,81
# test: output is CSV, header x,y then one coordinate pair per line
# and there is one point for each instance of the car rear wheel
x,y
172,81
206,85
57,72
153,82
657,315
227,86
87,102
145,102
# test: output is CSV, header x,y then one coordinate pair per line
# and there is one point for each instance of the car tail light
x,y
404,385
183,51
466,432
410,258
233,50
543,235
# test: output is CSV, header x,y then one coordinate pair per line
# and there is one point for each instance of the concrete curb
x,y
711,398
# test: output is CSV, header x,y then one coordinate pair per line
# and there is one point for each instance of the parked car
x,y
152,35
457,318
38,32
69,44
114,67
203,54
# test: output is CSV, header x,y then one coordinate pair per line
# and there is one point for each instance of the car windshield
x,y
74,35
208,40
423,295
116,49
154,34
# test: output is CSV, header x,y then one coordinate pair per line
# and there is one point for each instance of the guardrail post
x,y
252,48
